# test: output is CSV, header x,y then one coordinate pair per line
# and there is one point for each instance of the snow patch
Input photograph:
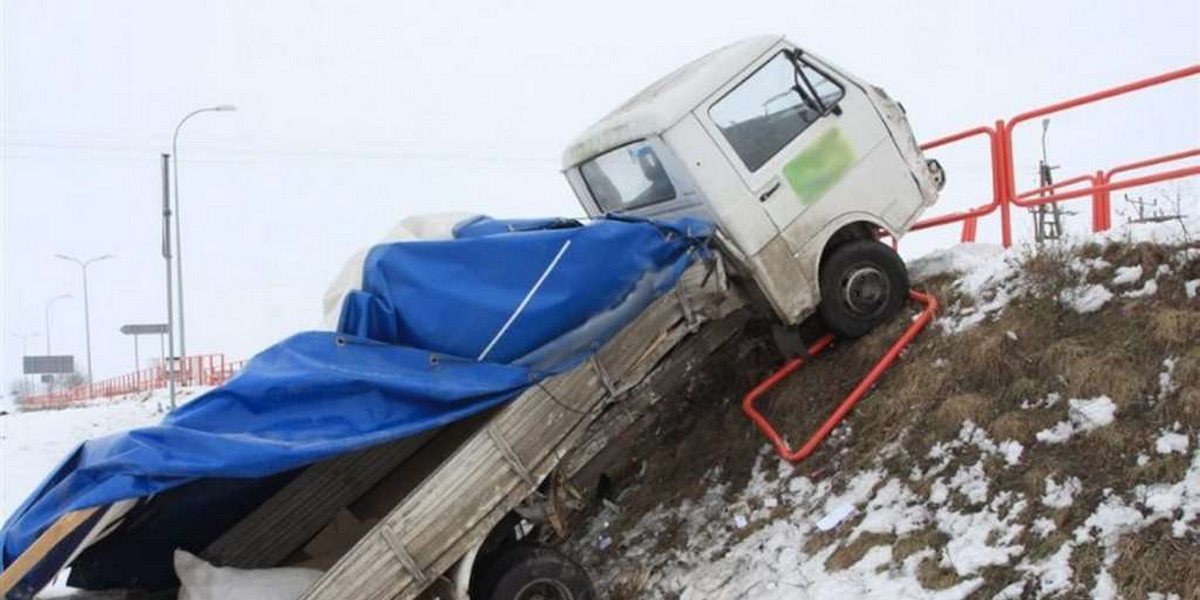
x,y
1061,495
1084,416
1127,275
1086,299
1170,442
1191,288
1149,289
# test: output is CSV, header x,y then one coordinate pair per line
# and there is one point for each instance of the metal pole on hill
x,y
166,252
178,234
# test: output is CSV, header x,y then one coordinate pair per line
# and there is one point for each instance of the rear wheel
x,y
863,283
527,572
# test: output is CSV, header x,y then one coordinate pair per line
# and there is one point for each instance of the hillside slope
x,y
1039,440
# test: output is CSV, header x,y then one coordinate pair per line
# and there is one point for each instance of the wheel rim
x,y
865,291
544,589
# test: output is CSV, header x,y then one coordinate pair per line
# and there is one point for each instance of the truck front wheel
x,y
527,572
864,283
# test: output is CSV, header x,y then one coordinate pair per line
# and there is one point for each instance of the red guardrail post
x,y
791,366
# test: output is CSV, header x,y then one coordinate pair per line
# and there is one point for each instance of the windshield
x,y
627,177
764,113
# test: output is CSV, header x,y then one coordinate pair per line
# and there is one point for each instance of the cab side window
x,y
770,108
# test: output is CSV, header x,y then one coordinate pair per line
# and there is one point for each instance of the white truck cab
x,y
800,165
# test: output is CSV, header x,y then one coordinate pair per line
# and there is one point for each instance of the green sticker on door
x,y
819,166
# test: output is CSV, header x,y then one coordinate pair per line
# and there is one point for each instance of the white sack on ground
x,y
202,581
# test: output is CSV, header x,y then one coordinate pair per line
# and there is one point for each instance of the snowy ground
x,y
783,513
936,531
32,444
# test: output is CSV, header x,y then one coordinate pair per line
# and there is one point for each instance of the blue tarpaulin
x,y
439,331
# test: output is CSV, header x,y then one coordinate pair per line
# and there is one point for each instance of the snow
x,y
1170,442
1084,416
1191,288
32,444
978,539
1060,495
1011,450
1127,275
1086,299
960,258
1043,526
985,274
1105,588
1053,574
1149,289
1166,379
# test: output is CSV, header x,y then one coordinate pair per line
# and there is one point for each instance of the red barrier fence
x,y
201,370
1100,185
810,445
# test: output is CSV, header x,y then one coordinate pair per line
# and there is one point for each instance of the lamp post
x,y
24,337
50,303
87,319
178,236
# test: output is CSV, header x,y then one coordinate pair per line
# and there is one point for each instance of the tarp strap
x,y
525,301
402,554
510,456
689,315
605,380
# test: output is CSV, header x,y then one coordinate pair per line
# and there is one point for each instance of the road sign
x,y
35,365
145,329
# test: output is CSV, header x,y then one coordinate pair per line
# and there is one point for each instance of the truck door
x,y
794,132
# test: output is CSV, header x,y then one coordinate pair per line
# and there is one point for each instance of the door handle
x,y
767,194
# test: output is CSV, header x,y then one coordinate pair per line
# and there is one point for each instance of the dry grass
x,y
1176,326
934,577
983,376
629,586
1155,561
909,545
850,553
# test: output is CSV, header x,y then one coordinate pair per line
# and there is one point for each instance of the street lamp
x,y
87,320
178,236
50,303
24,337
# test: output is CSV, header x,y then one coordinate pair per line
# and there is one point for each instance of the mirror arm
x,y
811,89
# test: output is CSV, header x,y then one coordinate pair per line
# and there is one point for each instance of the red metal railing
x,y
201,370
791,366
1101,184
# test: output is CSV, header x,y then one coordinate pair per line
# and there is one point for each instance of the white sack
x,y
202,581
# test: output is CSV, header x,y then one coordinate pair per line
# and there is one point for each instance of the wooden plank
x,y
456,506
29,559
292,516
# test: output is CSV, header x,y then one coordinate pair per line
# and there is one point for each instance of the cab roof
x,y
666,101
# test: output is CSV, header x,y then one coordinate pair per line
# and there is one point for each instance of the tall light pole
x,y
87,319
50,303
178,235
166,252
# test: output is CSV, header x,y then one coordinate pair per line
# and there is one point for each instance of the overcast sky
x,y
354,114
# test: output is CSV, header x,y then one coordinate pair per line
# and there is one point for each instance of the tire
x,y
527,572
863,283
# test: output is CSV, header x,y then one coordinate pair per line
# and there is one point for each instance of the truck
x,y
801,169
